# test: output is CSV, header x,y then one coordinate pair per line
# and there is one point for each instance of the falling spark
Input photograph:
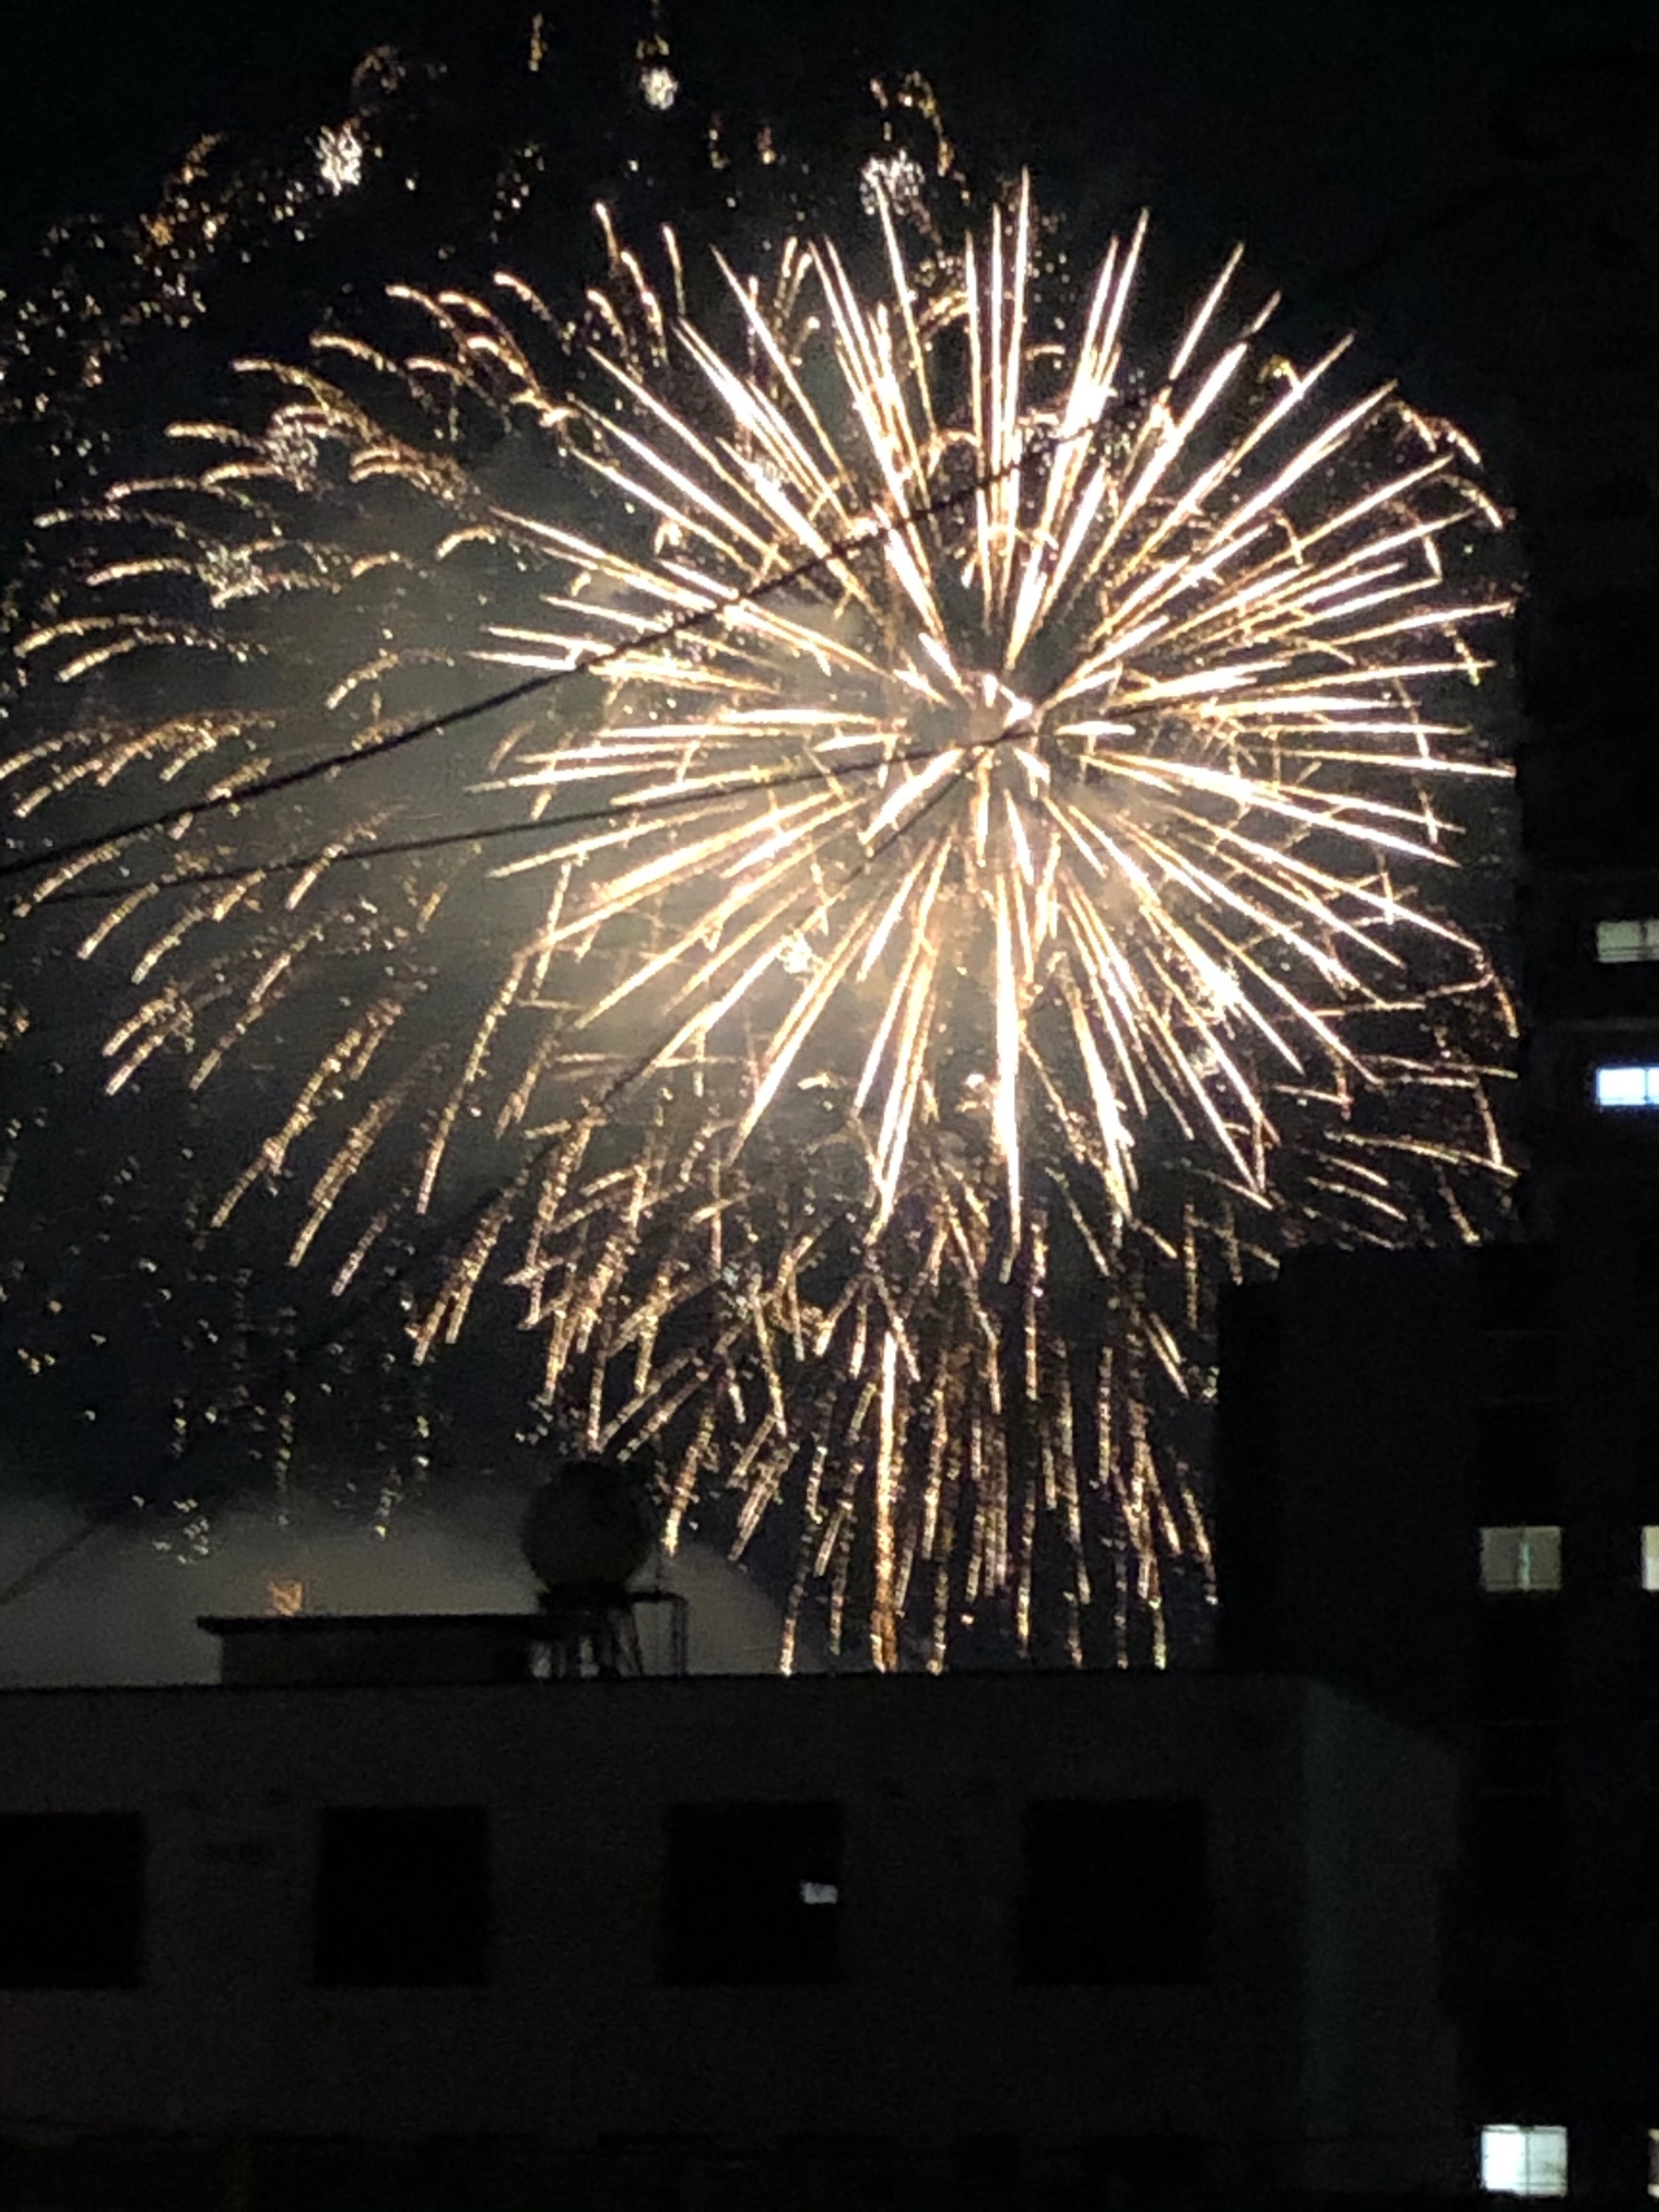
x,y
659,88
340,157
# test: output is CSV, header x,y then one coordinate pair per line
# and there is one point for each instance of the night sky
x,y
1394,171
1323,132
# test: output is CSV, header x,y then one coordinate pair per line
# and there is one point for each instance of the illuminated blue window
x,y
1627,1086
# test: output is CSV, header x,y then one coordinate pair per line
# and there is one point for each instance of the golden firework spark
x,y
1028,774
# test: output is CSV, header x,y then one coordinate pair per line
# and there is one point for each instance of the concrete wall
x,y
1328,1842
1379,2050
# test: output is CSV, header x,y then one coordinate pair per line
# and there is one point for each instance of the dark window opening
x,y
1115,1891
753,1894
71,1901
403,1897
991,2161
1516,1463
1521,1845
1521,1669
1518,1374
1514,2050
1642,1293
1123,2166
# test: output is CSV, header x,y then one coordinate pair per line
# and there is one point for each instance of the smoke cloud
x,y
124,1607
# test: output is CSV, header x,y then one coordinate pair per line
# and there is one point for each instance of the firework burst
x,y
989,882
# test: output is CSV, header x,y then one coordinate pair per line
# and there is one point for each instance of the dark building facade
x,y
1437,1491
1062,1940
1438,1478
1398,1514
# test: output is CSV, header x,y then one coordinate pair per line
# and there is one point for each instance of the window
x,y
1650,1558
71,1901
1627,1086
1115,1891
1128,2167
988,2161
753,1894
1521,1658
1653,2161
1516,1461
1618,943
1520,1559
1514,2037
1524,2161
403,1897
1520,1370
1521,1846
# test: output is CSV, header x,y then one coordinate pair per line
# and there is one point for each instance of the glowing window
x,y
1650,1558
1622,1086
1524,2161
1653,2161
1618,943
1520,1559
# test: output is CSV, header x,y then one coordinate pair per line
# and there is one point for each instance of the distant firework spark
x,y
1029,912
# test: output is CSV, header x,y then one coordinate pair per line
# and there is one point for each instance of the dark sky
x,y
1332,118
1332,135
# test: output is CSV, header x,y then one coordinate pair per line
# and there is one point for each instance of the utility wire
x,y
472,1216
1396,245
872,532
617,812
462,1224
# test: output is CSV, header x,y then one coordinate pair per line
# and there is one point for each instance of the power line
x,y
472,1216
296,863
870,533
462,1224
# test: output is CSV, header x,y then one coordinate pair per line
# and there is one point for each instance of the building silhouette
x,y
1439,1474
1060,1939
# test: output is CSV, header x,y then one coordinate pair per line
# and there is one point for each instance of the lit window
x,y
1524,2161
1622,1086
1520,1558
1618,943
1650,1558
1653,2161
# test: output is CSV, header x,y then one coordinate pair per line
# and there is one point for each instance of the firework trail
x,y
991,883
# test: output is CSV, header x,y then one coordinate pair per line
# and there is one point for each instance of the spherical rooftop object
x,y
590,1523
